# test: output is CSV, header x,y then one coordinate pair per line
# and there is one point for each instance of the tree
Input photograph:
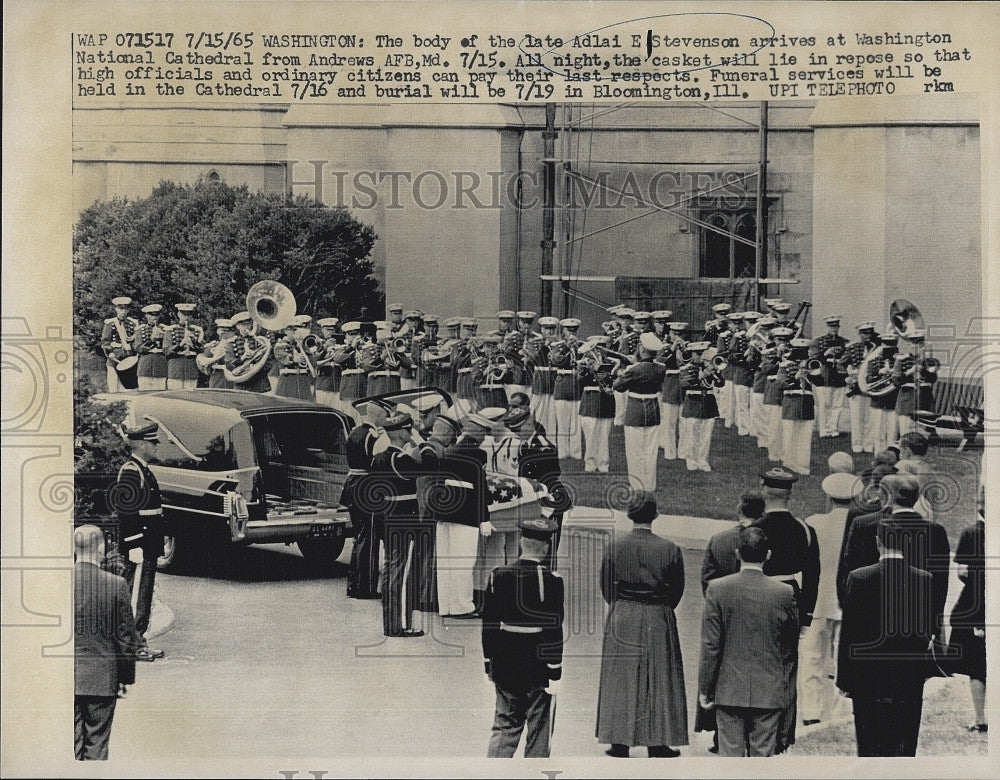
x,y
209,243
98,450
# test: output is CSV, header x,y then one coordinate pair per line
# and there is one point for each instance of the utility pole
x,y
548,206
761,264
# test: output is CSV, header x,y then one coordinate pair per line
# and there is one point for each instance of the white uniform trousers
x,y
905,424
741,409
456,547
796,444
862,430
725,396
758,417
568,429
114,386
642,443
596,432
670,415
829,401
621,400
182,384
885,425
696,435
818,696
772,432
542,406
152,383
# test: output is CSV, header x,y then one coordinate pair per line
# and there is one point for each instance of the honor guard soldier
x,y
883,393
742,373
661,319
327,382
293,355
628,345
795,561
566,392
797,409
245,351
363,572
698,379
116,342
910,372
147,341
543,374
830,383
862,431
761,347
642,382
597,406
181,344
523,644
776,366
671,394
213,357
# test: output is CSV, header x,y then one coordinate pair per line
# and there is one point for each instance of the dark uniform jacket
x,y
566,383
181,354
538,459
642,381
522,626
328,375
598,400
720,558
113,344
797,400
775,382
149,347
875,368
542,374
136,499
459,493
833,375
794,551
393,484
699,400
903,376
671,392
104,632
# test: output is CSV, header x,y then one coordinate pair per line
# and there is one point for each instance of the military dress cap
x,y
698,346
351,327
451,422
597,339
616,308
735,316
767,321
430,319
868,326
302,320
642,507
394,307
752,316
153,308
569,322
833,319
782,308
240,316
799,343
328,322
769,302
626,312
222,322
651,342
397,422
516,417
486,419
412,314
662,314
527,315
121,300
143,432
840,486
779,477
505,314
453,322
642,316
540,528
469,322
549,322
424,403
678,326
782,333
187,308
721,308
889,337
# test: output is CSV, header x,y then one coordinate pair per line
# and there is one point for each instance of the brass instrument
x,y
205,362
305,346
720,363
271,305
814,367
497,366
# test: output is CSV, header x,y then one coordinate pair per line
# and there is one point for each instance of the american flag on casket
x,y
511,498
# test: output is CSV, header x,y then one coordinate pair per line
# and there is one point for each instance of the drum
x,y
127,370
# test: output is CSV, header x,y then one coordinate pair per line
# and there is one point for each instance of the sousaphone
x,y
271,306
905,319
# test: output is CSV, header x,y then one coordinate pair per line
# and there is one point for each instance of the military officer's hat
x,y
616,309
767,321
781,307
678,326
328,322
453,322
752,316
430,319
505,314
223,322
540,528
735,316
121,300
393,307
516,417
868,326
651,342
527,315
840,486
782,333
397,421
769,302
548,322
642,316
240,316
833,319
698,346
799,343
721,308
779,477
485,419
626,312
469,322
569,322
302,321
412,314
152,308
642,507
662,314
142,433
187,308
890,337
351,327
451,422
426,402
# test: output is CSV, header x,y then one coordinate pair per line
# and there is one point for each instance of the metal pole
x,y
548,206
761,265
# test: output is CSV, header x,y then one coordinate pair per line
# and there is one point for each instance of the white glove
x,y
553,687
486,528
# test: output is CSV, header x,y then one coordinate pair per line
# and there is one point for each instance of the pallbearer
x,y
543,375
642,382
699,378
182,343
862,430
797,409
671,395
116,340
359,495
147,341
831,382
566,392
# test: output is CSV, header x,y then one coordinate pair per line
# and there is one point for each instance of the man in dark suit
x,y
924,543
106,644
748,644
888,625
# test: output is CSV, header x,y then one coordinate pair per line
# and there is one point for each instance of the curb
x,y
161,619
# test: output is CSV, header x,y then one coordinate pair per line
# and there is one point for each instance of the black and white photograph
x,y
445,395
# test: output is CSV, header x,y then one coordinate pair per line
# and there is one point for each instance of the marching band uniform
x,y
776,368
525,319
628,343
244,345
327,381
904,371
832,382
699,411
715,328
147,341
671,394
543,377
407,364
862,428
566,393
882,410
353,376
489,390
220,351
740,375
597,410
758,412
797,411
723,346
383,373
294,378
464,363
642,382
181,344
116,339
273,364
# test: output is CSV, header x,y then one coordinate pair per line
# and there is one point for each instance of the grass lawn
x,y
737,460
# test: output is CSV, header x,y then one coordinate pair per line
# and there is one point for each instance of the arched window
x,y
722,255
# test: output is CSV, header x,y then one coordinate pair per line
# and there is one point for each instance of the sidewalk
x,y
161,617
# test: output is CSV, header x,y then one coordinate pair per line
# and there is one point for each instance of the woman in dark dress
x,y
641,700
967,643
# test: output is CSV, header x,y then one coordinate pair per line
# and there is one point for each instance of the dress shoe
x,y
144,655
662,751
466,616
407,632
617,751
810,722
980,727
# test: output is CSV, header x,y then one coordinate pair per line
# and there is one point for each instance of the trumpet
x,y
307,345
720,363
814,367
